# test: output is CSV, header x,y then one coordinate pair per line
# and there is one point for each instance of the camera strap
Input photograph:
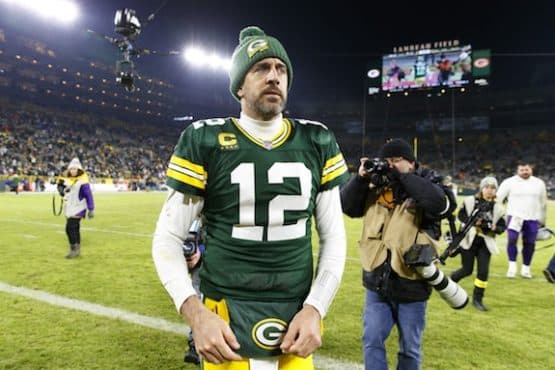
x,y
59,212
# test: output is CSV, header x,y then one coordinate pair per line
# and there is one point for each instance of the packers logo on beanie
x,y
255,45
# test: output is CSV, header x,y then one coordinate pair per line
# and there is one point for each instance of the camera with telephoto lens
x,y
377,169
421,257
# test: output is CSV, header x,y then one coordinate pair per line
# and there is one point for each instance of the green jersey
x,y
259,197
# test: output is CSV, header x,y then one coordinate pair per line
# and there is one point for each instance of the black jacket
x,y
435,201
423,185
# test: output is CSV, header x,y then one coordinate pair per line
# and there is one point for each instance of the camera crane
x,y
128,25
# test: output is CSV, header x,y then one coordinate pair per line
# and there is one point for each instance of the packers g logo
x,y
227,140
268,333
257,46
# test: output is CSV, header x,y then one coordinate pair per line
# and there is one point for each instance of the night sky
x,y
331,45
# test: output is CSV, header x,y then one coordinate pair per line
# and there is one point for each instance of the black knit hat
x,y
255,45
397,148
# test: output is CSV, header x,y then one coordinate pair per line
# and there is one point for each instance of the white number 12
x,y
244,175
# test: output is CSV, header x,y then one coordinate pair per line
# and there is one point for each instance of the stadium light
x,y
183,118
197,57
65,11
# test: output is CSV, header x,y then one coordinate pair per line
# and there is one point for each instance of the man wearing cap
x,y
76,191
402,205
526,197
479,242
258,180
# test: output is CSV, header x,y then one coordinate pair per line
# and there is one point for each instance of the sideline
x,y
321,362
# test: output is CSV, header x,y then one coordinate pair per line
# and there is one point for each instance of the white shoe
x,y
525,272
511,272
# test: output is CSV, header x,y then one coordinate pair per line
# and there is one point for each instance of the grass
x,y
116,270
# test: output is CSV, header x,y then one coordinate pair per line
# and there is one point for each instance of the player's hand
x,y
303,335
214,340
91,214
193,261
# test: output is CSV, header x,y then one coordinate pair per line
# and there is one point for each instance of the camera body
x,y
485,216
124,74
126,23
487,221
376,165
190,247
62,188
377,169
191,244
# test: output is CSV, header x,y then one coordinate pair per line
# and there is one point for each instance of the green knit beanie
x,y
255,45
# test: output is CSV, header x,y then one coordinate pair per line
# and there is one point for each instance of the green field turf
x,y
116,271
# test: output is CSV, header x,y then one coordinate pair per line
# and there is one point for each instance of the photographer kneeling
x,y
402,205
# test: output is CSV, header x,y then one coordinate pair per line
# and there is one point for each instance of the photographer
x,y
402,205
75,189
479,243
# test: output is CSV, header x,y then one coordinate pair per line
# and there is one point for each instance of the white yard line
x,y
49,224
321,362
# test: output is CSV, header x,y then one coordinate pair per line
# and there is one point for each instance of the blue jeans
x,y
378,319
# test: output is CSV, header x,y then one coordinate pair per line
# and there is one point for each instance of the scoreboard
x,y
429,68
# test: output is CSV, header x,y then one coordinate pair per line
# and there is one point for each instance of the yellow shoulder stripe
x,y
334,160
187,164
187,172
186,179
333,168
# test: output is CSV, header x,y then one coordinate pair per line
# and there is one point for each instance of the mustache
x,y
272,91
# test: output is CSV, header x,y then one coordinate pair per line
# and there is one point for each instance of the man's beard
x,y
268,110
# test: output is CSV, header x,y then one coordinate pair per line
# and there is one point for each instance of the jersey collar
x,y
271,143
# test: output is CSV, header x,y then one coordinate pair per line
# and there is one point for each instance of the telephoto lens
x,y
451,292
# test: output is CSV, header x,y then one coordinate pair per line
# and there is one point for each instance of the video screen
x,y
427,68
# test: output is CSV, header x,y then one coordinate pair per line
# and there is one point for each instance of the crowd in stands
x,y
477,154
494,153
36,144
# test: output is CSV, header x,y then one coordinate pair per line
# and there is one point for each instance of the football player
x,y
259,181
